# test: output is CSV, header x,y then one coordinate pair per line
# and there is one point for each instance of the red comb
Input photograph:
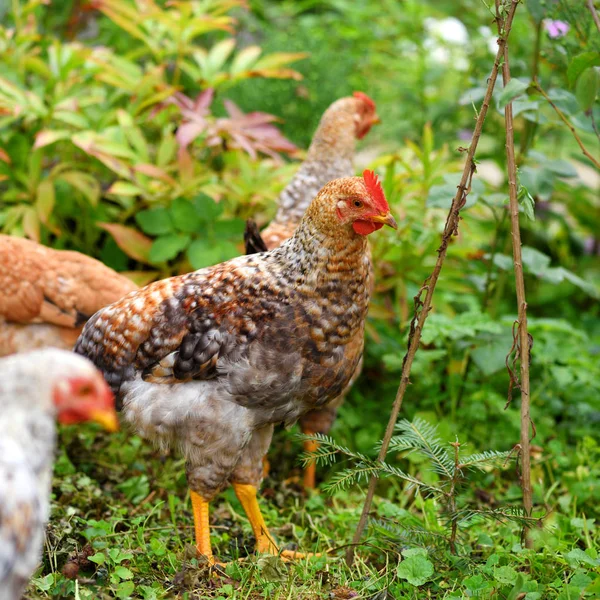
x,y
374,188
362,96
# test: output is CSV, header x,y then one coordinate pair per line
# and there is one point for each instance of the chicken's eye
x,y
358,204
85,390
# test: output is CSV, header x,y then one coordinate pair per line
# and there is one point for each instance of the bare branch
x,y
592,8
523,344
566,121
450,229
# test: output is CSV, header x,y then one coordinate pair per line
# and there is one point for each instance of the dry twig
x,y
423,306
566,121
523,343
592,8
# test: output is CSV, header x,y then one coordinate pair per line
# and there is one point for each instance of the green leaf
x,y
168,247
124,188
580,63
47,137
476,584
155,221
99,558
87,184
230,228
123,572
562,168
125,589
185,216
416,569
586,89
515,88
45,199
244,59
535,261
578,556
207,208
505,575
201,253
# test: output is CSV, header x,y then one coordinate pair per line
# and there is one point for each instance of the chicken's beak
x,y
375,120
107,418
386,219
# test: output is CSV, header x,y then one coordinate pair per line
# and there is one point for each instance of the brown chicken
x,y
211,360
47,295
329,157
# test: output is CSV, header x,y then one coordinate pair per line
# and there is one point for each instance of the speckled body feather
x,y
46,295
212,359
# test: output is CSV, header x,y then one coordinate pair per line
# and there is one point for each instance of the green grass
x,y
127,509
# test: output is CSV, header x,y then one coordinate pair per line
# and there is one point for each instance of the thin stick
x,y
590,5
422,307
523,335
564,119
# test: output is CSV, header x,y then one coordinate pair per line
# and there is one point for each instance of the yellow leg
x,y
264,542
310,470
201,526
247,496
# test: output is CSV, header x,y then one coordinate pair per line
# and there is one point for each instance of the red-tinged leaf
x,y
278,59
188,132
155,172
185,163
276,74
4,156
31,224
132,242
244,59
141,278
47,137
45,200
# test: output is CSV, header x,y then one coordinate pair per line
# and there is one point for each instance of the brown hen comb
x,y
368,101
374,188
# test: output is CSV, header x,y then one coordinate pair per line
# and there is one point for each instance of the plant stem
x,y
452,500
567,123
590,5
416,326
523,334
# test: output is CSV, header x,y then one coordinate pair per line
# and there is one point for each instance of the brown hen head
x,y
351,204
345,121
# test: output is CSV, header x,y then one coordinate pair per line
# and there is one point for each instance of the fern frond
x,y
503,514
348,477
489,458
423,437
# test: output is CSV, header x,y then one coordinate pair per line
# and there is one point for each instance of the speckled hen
x,y
46,295
35,389
211,360
329,157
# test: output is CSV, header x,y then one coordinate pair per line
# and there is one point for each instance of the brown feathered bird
x,y
35,389
330,156
211,360
47,295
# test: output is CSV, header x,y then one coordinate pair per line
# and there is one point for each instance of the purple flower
x,y
556,29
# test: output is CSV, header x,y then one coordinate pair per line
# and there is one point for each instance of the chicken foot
x,y
265,544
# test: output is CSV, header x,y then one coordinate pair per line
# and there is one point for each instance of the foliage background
x,y
121,136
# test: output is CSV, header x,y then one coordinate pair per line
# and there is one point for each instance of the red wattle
x,y
366,227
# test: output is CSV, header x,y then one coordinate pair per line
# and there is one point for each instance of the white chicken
x,y
37,388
